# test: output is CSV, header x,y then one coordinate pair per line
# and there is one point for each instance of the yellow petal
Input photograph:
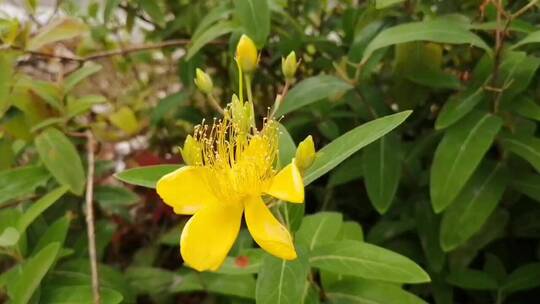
x,y
185,190
209,235
266,230
287,185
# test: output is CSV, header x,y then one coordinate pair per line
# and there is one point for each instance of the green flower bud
x,y
242,113
305,154
192,152
203,81
289,65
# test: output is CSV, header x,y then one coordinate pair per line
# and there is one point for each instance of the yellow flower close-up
x,y
231,172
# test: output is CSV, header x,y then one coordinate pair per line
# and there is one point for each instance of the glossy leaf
x,y
211,33
319,229
55,233
347,144
281,281
428,227
528,184
254,16
458,155
438,30
145,176
382,171
366,261
357,291
527,147
62,159
311,90
473,206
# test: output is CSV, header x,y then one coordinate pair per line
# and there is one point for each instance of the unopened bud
x,y
242,113
305,154
191,152
289,65
246,54
203,81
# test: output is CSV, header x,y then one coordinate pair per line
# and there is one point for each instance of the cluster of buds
x,y
247,58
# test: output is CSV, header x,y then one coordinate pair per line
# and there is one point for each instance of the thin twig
x,y
524,9
215,104
111,53
90,217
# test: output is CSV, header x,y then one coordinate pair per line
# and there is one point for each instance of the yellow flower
x,y
233,177
246,54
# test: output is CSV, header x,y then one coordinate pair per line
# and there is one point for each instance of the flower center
x,y
239,162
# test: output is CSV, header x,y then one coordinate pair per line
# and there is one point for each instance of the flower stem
x,y
248,88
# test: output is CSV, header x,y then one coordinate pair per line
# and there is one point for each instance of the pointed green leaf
x,y
80,294
458,155
211,33
523,278
360,291
472,279
280,281
366,261
319,228
145,176
473,206
382,171
437,30
254,16
528,184
344,146
39,207
61,29
311,90
79,75
527,147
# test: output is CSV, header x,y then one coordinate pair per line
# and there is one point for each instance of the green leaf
x,y
437,30
19,182
527,107
79,75
360,291
211,33
39,207
523,278
319,229
351,231
472,279
428,227
62,159
80,294
528,184
168,105
527,147
219,12
458,155
382,171
49,92
6,74
533,37
254,17
32,272
341,148
109,196
366,261
149,280
349,170
145,176
56,232
281,281
311,90
461,104
153,9
249,261
61,29
82,104
230,285
473,205
9,237
380,4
